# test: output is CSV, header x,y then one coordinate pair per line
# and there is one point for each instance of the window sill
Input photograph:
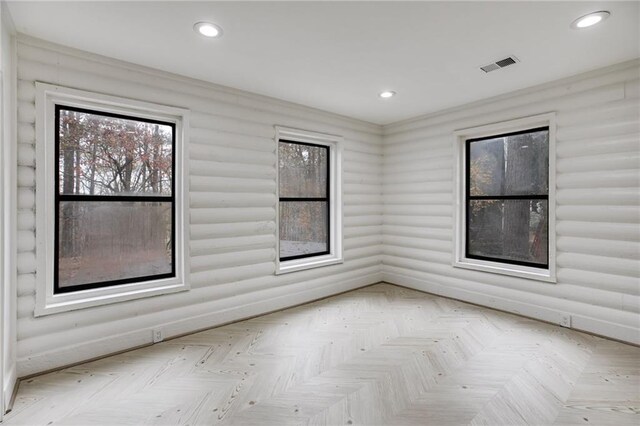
x,y
506,269
102,296
308,263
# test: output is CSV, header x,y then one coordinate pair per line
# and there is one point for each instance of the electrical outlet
x,y
157,335
565,321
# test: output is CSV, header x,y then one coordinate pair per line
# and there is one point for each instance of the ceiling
x,y
337,56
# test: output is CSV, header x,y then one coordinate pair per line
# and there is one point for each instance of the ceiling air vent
x,y
500,64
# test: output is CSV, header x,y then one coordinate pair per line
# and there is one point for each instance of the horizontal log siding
x,y
398,207
598,204
232,210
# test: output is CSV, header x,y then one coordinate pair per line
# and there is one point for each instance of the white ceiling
x,y
337,56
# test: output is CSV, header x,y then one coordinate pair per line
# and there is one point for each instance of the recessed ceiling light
x,y
208,29
590,19
387,94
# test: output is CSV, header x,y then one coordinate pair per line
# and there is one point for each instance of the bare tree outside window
x,y
507,198
304,199
114,202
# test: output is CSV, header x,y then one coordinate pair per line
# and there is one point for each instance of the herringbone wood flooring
x,y
379,355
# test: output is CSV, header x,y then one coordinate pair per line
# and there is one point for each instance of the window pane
x,y
101,155
302,170
303,228
509,229
105,241
512,165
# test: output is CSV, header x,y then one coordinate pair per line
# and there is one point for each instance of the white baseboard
x,y
602,328
113,344
9,388
98,348
611,330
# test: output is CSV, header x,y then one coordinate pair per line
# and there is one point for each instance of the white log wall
x,y
398,207
232,210
8,179
598,204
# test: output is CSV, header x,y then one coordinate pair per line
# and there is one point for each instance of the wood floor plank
x,y
378,355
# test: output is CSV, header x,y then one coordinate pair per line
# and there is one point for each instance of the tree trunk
x,y
67,245
517,212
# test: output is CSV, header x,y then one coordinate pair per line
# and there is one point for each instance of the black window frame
x,y
532,197
109,198
326,199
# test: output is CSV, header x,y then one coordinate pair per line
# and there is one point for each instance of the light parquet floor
x,y
378,355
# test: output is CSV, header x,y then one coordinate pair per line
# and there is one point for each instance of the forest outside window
x,y
112,191
506,202
308,217
114,204
304,199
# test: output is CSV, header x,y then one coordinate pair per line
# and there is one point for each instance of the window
x,y
114,201
309,220
110,184
506,203
304,199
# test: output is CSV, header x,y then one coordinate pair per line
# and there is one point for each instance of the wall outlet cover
x,y
565,321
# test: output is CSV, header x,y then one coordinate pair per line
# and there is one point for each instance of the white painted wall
x,y
4,247
598,200
232,204
232,210
7,214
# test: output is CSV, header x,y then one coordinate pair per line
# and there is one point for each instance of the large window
x,y
309,217
507,198
505,217
114,205
110,199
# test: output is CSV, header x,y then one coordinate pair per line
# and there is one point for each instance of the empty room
x,y
319,213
